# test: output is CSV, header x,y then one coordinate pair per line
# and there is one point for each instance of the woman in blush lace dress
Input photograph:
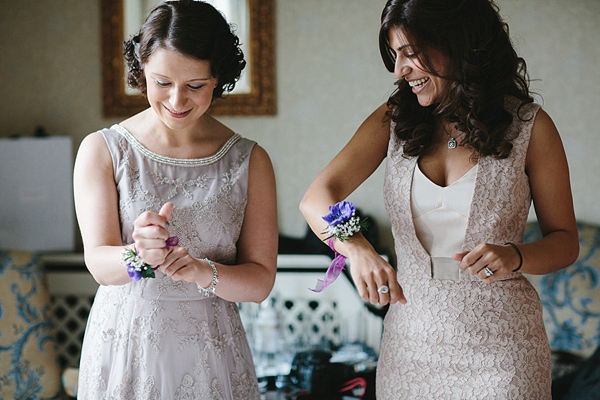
x,y
467,150
190,205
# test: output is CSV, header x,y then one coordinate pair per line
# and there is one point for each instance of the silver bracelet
x,y
207,291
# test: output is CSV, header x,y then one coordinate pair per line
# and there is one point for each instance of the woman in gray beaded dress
x,y
174,171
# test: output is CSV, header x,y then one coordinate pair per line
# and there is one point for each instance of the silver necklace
x,y
451,141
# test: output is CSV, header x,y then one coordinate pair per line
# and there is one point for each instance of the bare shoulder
x,y
544,132
259,153
260,162
378,123
93,155
93,145
545,140
543,124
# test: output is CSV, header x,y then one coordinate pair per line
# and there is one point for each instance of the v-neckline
x,y
462,177
419,246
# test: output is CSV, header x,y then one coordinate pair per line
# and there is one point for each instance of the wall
x,y
329,78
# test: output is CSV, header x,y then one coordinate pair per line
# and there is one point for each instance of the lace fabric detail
x,y
161,338
463,339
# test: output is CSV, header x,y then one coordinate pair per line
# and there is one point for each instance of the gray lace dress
x,y
157,338
459,338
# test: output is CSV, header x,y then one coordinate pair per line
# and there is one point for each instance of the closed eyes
x,y
167,84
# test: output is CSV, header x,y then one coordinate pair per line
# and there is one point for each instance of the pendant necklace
x,y
451,141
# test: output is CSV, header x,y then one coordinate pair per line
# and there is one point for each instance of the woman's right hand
x,y
370,272
363,154
150,234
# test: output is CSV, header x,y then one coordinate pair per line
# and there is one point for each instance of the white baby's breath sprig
x,y
136,267
343,222
344,230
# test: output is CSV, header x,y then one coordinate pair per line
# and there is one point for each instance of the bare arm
x,y
96,205
551,190
548,173
253,276
350,168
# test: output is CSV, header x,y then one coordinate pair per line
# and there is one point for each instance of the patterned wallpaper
x,y
329,78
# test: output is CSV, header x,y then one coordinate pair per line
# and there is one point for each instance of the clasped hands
x,y
150,232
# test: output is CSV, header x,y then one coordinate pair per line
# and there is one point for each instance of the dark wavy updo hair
x,y
484,69
191,28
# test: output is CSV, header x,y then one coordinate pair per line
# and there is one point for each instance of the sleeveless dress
x,y
458,338
160,339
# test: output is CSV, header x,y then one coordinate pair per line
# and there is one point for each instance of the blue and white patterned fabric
x,y
571,296
28,363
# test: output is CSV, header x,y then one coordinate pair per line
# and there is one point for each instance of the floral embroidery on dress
x,y
190,390
136,388
160,333
464,339
180,184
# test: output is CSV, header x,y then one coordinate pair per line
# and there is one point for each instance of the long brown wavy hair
x,y
485,68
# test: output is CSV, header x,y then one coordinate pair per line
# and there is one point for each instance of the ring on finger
x,y
383,289
488,272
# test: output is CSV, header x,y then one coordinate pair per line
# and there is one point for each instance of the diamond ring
x,y
383,289
488,272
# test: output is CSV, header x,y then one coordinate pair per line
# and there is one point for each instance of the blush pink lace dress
x,y
160,339
458,338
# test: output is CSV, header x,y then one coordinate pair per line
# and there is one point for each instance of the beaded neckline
x,y
184,162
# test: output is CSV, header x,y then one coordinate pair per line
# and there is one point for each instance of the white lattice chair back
x,y
334,316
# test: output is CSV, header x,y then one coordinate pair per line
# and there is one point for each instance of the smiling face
x,y
179,87
427,86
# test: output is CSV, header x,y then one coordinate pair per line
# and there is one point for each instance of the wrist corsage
x,y
342,223
136,267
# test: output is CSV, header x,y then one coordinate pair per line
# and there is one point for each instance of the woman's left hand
x,y
501,260
180,265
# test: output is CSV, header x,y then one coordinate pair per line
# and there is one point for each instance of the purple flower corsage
x,y
136,267
342,223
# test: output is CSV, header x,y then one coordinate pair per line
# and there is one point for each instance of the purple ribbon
x,y
334,270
